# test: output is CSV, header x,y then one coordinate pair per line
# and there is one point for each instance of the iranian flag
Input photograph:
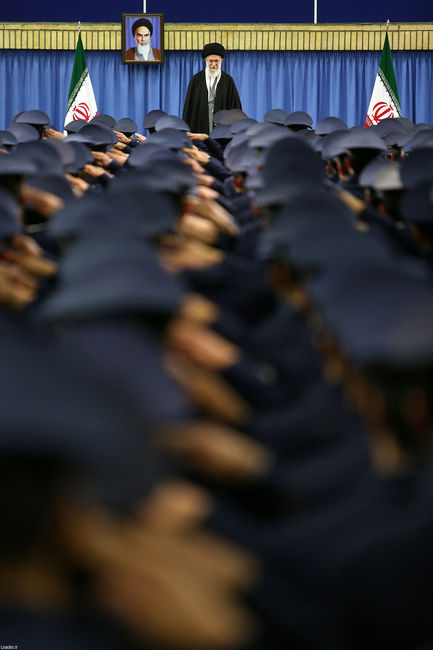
x,y
384,100
81,100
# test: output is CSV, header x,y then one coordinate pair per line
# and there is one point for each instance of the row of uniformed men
x,y
215,410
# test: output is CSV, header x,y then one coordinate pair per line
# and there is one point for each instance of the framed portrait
x,y
143,38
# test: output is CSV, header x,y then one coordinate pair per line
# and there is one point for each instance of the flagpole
x,y
81,98
384,102
315,12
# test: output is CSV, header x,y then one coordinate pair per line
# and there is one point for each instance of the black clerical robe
x,y
195,111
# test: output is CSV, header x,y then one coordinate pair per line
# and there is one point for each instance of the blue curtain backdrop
x,y
325,83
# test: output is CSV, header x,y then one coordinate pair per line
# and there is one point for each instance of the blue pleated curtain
x,y
321,83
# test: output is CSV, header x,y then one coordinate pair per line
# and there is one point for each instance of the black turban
x,y
142,22
213,48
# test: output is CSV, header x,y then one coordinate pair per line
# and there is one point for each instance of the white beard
x,y
144,50
213,73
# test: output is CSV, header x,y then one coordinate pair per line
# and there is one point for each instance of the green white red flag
x,y
384,102
81,99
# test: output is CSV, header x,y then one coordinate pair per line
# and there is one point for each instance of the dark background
x,y
278,11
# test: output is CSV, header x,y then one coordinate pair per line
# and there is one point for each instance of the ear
x,y
382,209
341,169
415,411
238,182
279,276
348,165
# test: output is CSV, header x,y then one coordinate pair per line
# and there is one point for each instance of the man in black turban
x,y
209,91
142,30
